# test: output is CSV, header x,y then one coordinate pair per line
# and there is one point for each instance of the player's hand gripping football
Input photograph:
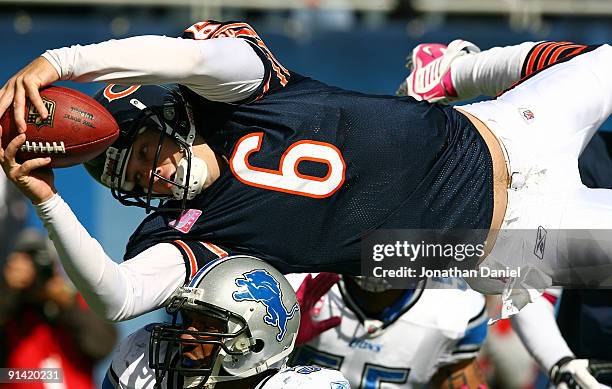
x,y
36,183
310,291
26,84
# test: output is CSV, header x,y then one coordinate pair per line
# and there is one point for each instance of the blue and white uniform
x,y
130,369
428,328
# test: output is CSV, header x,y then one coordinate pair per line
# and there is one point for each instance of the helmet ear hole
x,y
258,346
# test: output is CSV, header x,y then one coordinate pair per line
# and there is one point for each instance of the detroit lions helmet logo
x,y
263,288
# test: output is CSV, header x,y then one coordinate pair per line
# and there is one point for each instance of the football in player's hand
x,y
77,129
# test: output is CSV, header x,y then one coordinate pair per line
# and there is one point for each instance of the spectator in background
x,y
43,322
318,15
13,212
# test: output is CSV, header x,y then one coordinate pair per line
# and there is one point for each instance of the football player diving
x,y
248,157
234,326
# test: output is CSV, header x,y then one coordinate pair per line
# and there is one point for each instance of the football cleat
x,y
430,73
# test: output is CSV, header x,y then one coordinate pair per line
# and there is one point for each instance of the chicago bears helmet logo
x,y
263,288
110,92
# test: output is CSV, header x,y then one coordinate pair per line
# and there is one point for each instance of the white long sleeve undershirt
x,y
222,69
115,291
536,326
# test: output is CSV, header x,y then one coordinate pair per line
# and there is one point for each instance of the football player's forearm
x,y
222,69
489,72
82,257
117,292
536,326
462,375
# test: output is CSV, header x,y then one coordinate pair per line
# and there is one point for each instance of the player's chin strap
x,y
373,327
191,170
196,177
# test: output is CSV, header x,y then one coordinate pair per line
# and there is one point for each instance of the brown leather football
x,y
77,129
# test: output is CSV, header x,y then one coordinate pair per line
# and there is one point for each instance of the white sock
x,y
488,72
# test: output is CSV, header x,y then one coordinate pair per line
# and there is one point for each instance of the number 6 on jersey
x,y
287,178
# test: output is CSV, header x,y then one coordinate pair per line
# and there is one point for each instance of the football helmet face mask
x,y
160,108
372,284
242,314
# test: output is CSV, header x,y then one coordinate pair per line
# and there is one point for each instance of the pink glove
x,y
310,291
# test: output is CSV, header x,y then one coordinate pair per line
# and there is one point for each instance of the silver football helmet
x,y
241,309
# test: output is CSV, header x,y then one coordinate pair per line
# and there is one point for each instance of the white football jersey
x,y
130,369
305,377
430,327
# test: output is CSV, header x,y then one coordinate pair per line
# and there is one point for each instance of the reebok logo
x,y
540,243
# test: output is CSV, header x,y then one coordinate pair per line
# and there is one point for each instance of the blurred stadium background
x,y
356,44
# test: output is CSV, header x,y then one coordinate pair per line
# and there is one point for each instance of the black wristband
x,y
555,377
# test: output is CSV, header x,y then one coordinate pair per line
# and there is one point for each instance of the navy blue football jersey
x,y
314,168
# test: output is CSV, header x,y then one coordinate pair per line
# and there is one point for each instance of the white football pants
x,y
551,221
